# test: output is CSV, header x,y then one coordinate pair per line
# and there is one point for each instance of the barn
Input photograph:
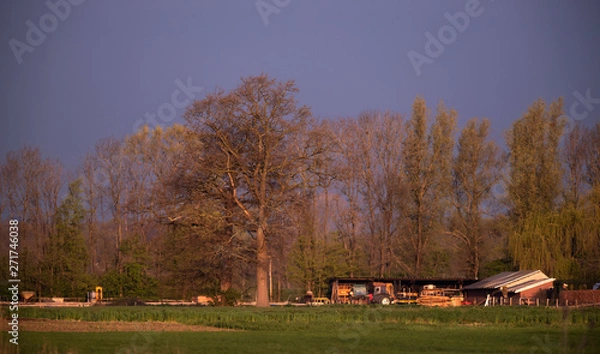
x,y
341,287
524,286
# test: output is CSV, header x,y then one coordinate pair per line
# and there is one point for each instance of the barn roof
x,y
514,281
517,288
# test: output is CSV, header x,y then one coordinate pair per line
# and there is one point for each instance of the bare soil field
x,y
46,325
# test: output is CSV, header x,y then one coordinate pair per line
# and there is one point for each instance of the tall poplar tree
x,y
427,165
475,170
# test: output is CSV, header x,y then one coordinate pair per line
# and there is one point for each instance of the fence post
x,y
556,303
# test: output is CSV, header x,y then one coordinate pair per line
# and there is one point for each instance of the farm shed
x,y
513,287
341,287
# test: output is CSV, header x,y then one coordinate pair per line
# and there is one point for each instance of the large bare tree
x,y
250,143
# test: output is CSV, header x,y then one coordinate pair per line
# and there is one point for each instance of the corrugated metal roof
x,y
519,287
508,279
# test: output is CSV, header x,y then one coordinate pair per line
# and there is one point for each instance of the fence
x,y
566,298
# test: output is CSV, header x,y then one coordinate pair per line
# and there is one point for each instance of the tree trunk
x,y
262,269
226,277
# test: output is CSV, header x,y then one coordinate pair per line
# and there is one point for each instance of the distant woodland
x,y
253,194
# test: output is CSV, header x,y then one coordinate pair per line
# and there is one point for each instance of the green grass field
x,y
327,330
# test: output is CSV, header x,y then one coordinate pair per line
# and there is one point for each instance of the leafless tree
x,y
111,179
250,136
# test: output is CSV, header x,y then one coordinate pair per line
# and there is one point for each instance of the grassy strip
x,y
286,319
345,339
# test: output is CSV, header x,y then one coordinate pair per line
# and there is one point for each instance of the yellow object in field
x,y
99,293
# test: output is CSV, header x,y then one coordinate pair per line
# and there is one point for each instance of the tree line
x,y
253,197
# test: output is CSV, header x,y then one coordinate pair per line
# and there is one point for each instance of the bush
x,y
230,297
133,282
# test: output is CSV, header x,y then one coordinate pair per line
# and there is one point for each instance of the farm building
x,y
344,289
517,287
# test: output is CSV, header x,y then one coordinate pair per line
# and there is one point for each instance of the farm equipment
x,y
366,293
385,291
407,297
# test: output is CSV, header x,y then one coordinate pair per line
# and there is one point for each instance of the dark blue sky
x,y
108,63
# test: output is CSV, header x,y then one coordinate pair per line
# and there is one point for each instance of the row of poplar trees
x,y
253,197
